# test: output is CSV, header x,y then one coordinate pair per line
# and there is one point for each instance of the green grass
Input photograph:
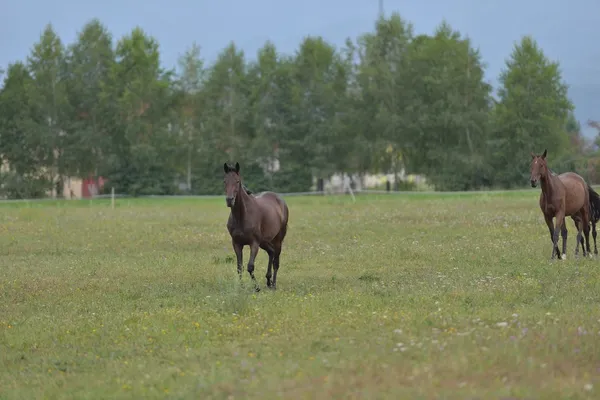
x,y
414,296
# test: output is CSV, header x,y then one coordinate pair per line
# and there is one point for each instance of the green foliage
x,y
446,118
190,83
49,104
379,95
318,90
18,186
19,143
531,114
292,178
386,102
91,59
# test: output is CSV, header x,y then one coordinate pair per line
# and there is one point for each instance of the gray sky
x,y
565,30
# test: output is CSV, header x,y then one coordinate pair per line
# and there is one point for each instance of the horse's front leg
x,y
560,222
239,255
269,249
269,269
253,252
550,224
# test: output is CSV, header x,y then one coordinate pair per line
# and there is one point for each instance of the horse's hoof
x,y
257,289
563,257
591,256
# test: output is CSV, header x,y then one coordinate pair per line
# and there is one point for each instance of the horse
x,y
259,221
564,195
594,215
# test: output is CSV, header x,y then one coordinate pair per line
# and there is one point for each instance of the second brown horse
x,y
565,195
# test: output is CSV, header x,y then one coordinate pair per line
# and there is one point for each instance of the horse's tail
x,y
594,205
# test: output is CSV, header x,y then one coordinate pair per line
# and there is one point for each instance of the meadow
x,y
416,296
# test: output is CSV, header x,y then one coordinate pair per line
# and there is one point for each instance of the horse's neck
x,y
241,206
549,183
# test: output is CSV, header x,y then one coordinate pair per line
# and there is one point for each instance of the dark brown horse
x,y
565,195
594,215
259,221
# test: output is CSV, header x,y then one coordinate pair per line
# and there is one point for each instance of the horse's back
x,y
273,205
576,190
571,176
573,182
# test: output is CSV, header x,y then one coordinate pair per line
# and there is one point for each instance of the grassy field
x,y
412,296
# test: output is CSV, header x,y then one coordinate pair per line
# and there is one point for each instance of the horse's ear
x,y
532,155
226,167
237,167
544,155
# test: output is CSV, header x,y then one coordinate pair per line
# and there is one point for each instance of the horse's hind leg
x,y
269,249
577,220
586,232
564,233
278,243
580,241
594,234
275,266
253,253
584,225
276,254
269,268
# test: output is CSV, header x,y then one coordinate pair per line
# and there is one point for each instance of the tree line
x,y
385,101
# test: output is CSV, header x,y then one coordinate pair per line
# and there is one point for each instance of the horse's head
x,y
538,168
232,183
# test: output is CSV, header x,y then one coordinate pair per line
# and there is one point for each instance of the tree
x,y
531,113
225,117
191,83
143,143
267,117
446,111
380,95
19,140
318,90
90,62
386,102
578,144
17,145
279,134
346,153
47,65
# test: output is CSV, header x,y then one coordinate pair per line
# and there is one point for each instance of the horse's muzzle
x,y
533,183
230,201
